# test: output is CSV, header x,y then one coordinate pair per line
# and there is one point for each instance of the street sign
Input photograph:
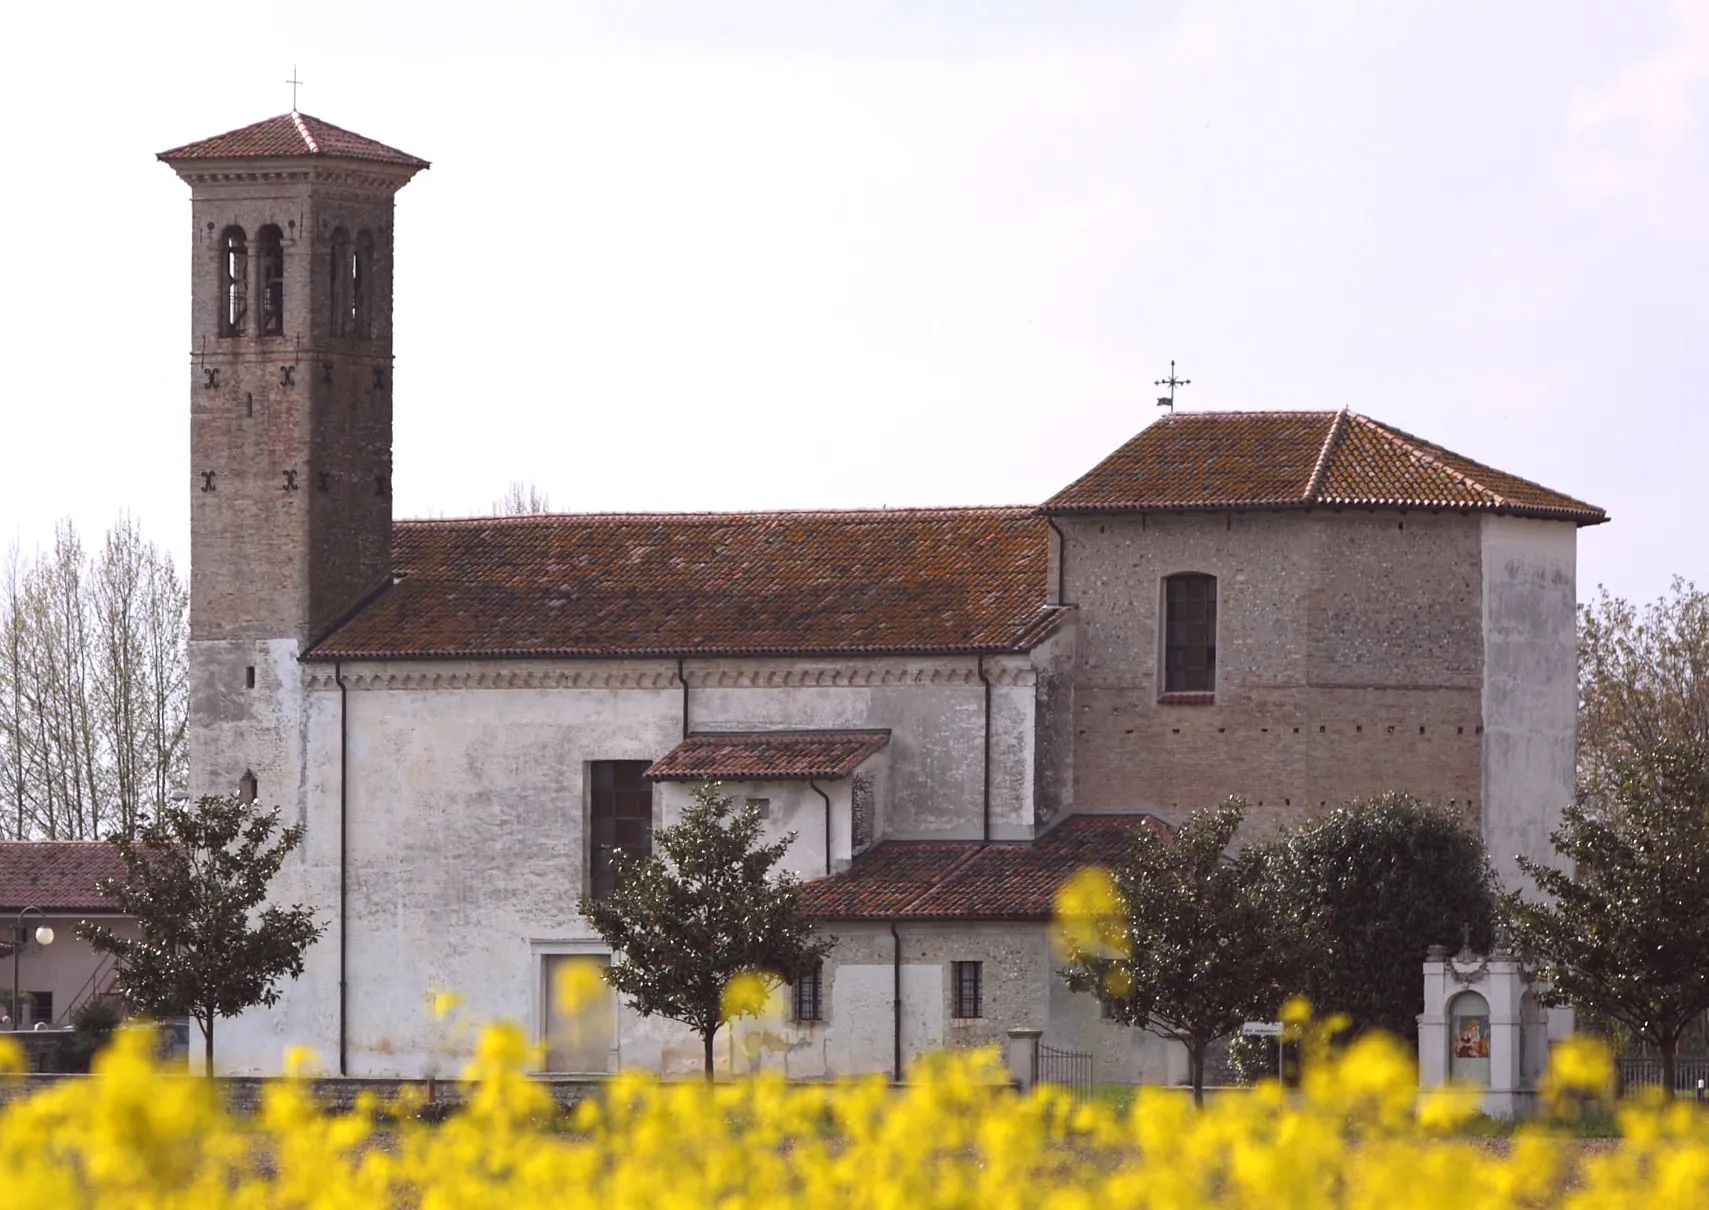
x,y
1262,1029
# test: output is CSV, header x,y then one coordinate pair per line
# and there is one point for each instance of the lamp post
x,y
20,938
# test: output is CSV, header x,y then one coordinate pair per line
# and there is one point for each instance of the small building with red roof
x,y
53,885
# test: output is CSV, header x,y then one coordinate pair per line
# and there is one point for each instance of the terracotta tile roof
x,y
1214,460
935,880
56,875
767,756
858,582
291,134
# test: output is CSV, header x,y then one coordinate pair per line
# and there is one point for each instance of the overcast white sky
x,y
698,255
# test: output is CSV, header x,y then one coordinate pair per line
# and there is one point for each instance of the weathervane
x,y
293,82
1168,401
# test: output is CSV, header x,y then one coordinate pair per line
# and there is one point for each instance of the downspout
x,y
985,813
1061,561
343,865
896,999
814,786
682,679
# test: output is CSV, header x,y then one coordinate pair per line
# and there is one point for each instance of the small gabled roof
x,y
1235,460
625,585
966,880
56,875
291,134
767,756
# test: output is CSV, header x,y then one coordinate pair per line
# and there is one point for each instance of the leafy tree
x,y
1625,930
1193,951
705,907
194,879
1365,891
1643,680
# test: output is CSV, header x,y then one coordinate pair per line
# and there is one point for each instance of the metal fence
x,y
1647,1073
1069,1068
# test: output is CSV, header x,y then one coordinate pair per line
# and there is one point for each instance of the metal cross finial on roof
x,y
1168,401
293,82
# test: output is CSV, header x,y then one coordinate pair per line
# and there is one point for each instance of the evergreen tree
x,y
1193,949
1364,891
194,877
704,907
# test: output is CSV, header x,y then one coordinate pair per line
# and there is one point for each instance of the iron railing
x,y
1647,1073
1069,1068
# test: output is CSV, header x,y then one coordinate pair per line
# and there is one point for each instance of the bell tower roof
x,y
291,134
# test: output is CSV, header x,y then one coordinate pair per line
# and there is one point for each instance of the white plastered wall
x,y
467,815
1530,687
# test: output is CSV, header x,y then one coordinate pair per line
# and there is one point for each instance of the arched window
x,y
271,242
339,274
248,787
362,285
1189,633
234,281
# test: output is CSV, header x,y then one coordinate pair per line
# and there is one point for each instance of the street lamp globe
x,y
44,935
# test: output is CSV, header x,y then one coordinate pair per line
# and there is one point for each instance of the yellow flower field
x,y
956,1136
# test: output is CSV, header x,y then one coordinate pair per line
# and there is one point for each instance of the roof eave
x,y
1582,517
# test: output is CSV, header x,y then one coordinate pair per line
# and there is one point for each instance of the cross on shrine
x,y
1168,401
293,82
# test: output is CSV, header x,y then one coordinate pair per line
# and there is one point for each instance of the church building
x,y
951,709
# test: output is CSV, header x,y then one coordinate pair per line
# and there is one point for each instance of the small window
x,y
362,287
969,976
1189,644
809,995
272,247
761,805
248,788
621,813
234,281
249,677
340,272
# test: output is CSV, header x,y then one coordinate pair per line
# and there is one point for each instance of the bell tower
x,y
291,245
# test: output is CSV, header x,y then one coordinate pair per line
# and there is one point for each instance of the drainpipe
x,y
682,679
1061,561
343,866
986,790
896,999
814,786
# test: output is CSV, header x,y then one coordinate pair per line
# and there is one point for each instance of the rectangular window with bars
x,y
1189,628
810,996
621,817
969,998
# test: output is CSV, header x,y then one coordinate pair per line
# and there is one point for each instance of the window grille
x,y
1189,646
809,995
968,997
621,814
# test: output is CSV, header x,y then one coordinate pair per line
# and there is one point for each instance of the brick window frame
x,y
1189,634
967,990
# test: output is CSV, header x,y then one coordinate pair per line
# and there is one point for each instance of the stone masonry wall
x,y
1349,662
